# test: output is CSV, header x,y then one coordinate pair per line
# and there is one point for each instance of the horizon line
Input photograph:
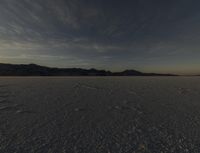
x,y
132,69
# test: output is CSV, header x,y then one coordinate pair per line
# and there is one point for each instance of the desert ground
x,y
99,114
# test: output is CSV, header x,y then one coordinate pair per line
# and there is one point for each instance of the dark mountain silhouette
x,y
37,70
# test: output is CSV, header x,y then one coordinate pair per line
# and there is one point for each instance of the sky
x,y
147,35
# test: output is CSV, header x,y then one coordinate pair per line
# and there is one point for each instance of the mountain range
x,y
37,70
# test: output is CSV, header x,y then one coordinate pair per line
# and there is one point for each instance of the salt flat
x,y
100,115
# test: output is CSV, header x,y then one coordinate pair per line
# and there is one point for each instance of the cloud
x,y
99,32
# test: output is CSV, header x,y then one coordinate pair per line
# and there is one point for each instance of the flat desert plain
x,y
99,115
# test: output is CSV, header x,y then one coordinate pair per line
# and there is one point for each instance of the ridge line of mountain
x,y
37,70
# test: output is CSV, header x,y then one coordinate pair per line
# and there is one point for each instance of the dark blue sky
x,y
149,35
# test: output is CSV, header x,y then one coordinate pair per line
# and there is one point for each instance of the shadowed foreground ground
x,y
100,115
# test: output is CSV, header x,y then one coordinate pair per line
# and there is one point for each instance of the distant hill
x,y
37,70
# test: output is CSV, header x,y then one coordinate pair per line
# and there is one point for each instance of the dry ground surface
x,y
100,115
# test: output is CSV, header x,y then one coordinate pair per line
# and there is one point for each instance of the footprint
x,y
6,108
132,92
3,101
21,111
4,85
79,109
183,91
79,85
9,107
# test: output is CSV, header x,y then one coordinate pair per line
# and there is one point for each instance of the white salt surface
x,y
100,115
